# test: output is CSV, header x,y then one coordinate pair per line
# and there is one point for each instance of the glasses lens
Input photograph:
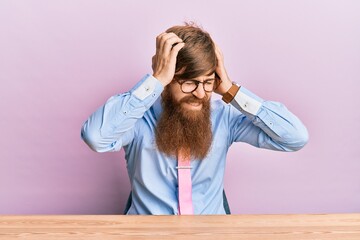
x,y
188,86
209,85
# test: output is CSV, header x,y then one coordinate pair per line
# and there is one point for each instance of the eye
x,y
188,83
211,82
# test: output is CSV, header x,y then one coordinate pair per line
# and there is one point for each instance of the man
x,y
176,139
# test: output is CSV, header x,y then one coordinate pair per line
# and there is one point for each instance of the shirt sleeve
x,y
111,126
265,124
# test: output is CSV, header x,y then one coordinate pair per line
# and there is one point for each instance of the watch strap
x,y
230,94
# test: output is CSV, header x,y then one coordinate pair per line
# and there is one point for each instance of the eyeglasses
x,y
189,86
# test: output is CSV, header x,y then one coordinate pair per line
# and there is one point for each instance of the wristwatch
x,y
230,94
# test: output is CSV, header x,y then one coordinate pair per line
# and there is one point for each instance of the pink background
x,y
60,60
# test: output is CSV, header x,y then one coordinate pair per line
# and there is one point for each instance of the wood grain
x,y
250,227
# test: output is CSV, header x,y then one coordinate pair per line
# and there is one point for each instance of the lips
x,y
194,103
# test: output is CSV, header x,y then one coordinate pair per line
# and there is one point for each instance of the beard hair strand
x,y
182,129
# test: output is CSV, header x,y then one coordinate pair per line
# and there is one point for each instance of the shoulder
x,y
218,105
220,108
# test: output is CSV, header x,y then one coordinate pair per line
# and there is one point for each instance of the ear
x,y
218,81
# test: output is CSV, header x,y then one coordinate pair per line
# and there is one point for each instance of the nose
x,y
199,92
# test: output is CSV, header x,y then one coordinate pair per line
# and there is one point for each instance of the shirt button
x,y
147,88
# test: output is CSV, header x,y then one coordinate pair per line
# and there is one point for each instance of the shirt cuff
x,y
246,101
147,86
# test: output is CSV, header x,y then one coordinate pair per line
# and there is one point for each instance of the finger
x,y
171,43
175,50
164,38
158,39
218,53
217,48
168,35
153,62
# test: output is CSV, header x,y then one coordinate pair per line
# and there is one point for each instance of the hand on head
x,y
168,46
221,74
164,61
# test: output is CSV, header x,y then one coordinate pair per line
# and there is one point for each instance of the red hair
x,y
198,56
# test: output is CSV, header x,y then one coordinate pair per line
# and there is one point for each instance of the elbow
x,y
300,139
91,139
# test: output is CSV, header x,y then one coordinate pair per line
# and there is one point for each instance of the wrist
x,y
230,94
161,80
226,85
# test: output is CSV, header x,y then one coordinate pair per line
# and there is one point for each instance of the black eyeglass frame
x,y
217,82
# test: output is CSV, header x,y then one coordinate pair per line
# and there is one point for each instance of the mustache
x,y
193,99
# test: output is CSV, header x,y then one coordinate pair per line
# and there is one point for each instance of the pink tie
x,y
185,186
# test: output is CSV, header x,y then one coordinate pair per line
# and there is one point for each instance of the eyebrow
x,y
203,81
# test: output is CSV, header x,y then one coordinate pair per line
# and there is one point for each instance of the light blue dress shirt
x,y
128,121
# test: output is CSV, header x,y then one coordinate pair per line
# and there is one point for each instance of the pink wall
x,y
59,60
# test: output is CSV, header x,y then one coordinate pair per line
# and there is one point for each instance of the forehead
x,y
205,77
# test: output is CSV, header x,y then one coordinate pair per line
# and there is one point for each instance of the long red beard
x,y
179,128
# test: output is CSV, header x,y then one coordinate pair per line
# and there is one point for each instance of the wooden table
x,y
249,227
